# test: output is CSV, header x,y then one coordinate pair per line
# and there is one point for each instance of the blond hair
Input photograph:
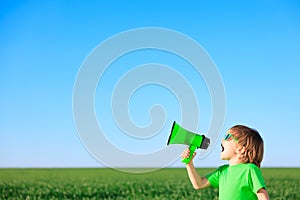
x,y
252,141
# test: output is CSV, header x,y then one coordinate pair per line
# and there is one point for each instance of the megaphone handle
x,y
192,150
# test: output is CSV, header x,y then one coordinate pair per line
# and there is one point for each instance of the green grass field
x,y
112,184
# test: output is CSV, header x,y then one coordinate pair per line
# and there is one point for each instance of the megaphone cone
x,y
180,135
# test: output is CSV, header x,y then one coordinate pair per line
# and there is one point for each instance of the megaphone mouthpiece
x,y
205,142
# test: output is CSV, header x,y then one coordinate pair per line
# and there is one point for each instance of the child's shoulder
x,y
242,166
239,166
251,166
223,167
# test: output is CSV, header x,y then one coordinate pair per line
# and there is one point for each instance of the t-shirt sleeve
x,y
256,178
214,177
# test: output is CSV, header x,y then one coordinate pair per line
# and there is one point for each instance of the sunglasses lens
x,y
227,136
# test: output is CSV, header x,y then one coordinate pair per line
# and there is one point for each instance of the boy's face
x,y
229,147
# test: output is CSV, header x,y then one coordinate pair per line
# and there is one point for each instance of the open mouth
x,y
222,148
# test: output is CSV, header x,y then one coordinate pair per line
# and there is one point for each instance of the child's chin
x,y
222,157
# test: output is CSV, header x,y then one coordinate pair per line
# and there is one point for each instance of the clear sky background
x,y
255,45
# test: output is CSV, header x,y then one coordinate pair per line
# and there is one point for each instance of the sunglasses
x,y
229,137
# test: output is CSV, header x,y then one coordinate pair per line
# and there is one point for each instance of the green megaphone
x,y
180,135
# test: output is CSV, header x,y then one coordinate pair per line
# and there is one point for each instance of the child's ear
x,y
241,149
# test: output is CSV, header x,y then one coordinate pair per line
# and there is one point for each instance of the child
x,y
241,179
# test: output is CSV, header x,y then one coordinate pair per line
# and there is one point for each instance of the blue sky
x,y
254,44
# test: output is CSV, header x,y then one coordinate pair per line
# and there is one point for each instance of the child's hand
x,y
186,154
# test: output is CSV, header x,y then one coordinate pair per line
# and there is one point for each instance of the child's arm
x,y
197,181
262,194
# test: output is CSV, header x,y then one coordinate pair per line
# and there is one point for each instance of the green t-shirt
x,y
237,182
